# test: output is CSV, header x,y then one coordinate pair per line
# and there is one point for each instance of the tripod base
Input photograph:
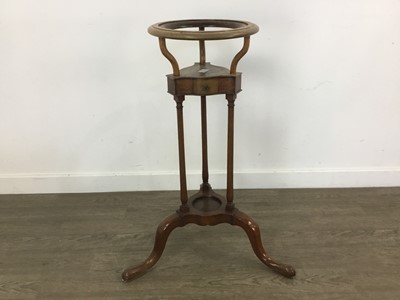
x,y
207,208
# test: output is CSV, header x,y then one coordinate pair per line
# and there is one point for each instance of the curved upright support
x,y
240,54
253,232
168,55
163,231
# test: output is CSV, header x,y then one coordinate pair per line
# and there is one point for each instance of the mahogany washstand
x,y
204,79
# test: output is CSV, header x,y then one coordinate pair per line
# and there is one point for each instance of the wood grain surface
x,y
344,244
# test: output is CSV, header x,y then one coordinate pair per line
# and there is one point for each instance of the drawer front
x,y
204,86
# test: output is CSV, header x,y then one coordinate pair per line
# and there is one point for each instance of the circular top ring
x,y
177,29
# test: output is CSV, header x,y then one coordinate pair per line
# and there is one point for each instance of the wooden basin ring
x,y
177,29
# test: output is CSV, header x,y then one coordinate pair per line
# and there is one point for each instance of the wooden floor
x,y
344,244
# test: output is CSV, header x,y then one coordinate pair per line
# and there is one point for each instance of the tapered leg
x,y
163,231
229,172
204,152
181,145
253,232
